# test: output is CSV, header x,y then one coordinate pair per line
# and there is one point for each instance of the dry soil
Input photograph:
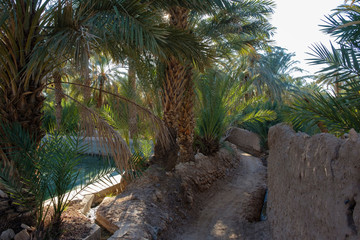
x,y
222,210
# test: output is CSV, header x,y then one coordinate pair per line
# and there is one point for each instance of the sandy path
x,y
222,215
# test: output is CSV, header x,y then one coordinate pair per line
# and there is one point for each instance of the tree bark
x,y
58,97
101,89
133,130
178,97
185,121
85,71
186,125
24,108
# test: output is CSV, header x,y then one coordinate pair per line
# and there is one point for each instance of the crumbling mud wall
x,y
314,185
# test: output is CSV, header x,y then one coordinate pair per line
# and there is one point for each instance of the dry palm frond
x,y
93,124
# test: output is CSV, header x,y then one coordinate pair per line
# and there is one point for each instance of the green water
x,y
89,166
93,165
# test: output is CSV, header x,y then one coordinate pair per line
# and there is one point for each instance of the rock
x,y
24,226
11,214
353,135
87,202
4,205
23,235
189,198
107,218
159,195
245,140
199,155
7,235
3,195
95,233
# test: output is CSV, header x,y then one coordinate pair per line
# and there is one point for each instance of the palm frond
x,y
341,63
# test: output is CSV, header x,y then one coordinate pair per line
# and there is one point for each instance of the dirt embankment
x,y
162,205
231,208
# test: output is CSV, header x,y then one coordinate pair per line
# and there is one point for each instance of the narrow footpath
x,y
224,212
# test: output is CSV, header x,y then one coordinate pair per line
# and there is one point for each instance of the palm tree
x,y
275,69
338,111
25,62
29,53
58,97
178,107
239,29
178,86
133,130
103,71
246,26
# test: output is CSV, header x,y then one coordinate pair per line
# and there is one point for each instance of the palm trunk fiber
x,y
178,96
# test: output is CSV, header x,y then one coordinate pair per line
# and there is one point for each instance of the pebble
x,y
24,226
7,235
23,235
3,195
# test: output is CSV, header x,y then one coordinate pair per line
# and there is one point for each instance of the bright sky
x,y
297,23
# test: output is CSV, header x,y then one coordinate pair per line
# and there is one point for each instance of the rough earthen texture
x,y
231,208
245,140
313,182
149,205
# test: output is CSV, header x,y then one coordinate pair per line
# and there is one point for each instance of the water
x,y
263,210
90,168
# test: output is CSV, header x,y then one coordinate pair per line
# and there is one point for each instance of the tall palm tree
x,y
132,111
31,41
178,86
238,29
25,62
178,107
103,72
58,97
178,99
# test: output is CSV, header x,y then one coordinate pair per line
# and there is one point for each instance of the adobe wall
x,y
314,185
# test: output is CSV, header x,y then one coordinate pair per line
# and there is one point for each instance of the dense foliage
x,y
162,77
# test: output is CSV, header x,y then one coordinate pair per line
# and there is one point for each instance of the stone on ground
x,y
23,235
7,235
245,140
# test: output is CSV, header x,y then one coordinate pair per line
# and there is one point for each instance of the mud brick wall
x,y
314,185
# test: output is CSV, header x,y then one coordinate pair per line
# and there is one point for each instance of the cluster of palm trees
x,y
182,71
40,39
66,51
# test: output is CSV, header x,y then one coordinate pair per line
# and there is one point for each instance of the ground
x,y
225,210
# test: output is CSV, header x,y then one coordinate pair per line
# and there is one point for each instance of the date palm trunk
x,y
58,97
185,104
186,123
178,96
24,107
85,72
101,90
133,130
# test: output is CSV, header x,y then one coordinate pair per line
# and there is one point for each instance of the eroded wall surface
x,y
314,185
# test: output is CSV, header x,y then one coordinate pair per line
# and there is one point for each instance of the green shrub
x,y
34,172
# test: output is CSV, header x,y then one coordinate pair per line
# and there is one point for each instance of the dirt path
x,y
222,215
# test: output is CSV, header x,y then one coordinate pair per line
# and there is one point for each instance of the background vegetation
x,y
163,78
